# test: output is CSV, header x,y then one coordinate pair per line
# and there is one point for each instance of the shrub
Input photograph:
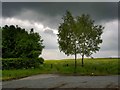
x,y
21,63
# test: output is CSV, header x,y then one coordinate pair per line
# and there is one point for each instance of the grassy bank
x,y
66,67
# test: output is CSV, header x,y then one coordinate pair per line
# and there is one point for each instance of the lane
x,y
56,81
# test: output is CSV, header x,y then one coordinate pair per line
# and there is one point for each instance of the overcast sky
x,y
46,17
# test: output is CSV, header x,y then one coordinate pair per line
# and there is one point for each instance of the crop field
x,y
101,66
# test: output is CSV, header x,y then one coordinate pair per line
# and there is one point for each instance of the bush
x,y
21,63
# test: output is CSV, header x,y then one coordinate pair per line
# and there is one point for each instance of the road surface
x,y
57,81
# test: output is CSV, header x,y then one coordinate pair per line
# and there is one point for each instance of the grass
x,y
66,67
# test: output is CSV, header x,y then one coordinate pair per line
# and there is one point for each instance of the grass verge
x,y
66,67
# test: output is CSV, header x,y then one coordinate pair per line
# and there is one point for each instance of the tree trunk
x,y
82,60
75,62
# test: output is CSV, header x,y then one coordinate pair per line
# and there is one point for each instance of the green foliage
x,y
18,43
21,63
88,35
79,35
66,38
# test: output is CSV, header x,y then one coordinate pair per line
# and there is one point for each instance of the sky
x,y
45,18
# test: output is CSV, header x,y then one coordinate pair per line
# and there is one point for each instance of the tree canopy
x,y
18,43
66,36
79,35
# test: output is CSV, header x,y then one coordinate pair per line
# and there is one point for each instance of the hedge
x,y
21,63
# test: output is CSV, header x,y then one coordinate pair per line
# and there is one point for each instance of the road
x,y
57,81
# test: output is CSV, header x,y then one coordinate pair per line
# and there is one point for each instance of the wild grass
x,y
66,67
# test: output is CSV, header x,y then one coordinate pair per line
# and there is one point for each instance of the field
x,y
66,67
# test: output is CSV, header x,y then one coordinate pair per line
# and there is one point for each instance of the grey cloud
x,y
98,10
50,14
0,9
49,32
110,36
112,46
50,41
35,16
110,42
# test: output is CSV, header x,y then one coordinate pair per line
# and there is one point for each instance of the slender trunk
x,y
83,56
82,60
75,62
75,57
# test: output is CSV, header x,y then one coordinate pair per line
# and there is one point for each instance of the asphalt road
x,y
56,81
